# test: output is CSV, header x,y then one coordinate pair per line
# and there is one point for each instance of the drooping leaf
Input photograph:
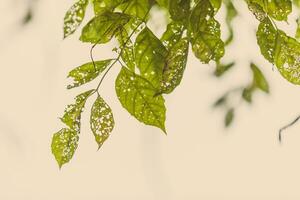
x,y
259,80
172,34
87,72
179,9
175,66
72,113
138,97
281,50
221,101
102,121
229,117
205,33
63,146
127,53
150,55
74,17
103,27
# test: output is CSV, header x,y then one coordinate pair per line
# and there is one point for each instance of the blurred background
x,y
199,159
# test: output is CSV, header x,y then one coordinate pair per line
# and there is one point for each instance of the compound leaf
x,y
138,97
74,17
101,121
87,72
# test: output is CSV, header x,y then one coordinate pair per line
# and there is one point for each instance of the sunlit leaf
x,y
87,72
137,8
63,146
175,66
72,113
102,121
205,33
150,56
172,34
74,17
138,97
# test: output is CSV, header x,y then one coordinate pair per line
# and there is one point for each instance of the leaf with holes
x,y
205,33
102,121
87,72
175,66
73,112
150,55
138,97
63,146
74,17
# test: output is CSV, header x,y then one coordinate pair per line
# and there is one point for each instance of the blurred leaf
x,y
222,68
247,94
259,81
229,117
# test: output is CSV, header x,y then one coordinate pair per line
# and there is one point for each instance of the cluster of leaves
x,y
152,66
259,82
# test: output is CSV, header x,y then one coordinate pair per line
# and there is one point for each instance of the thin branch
x,y
285,127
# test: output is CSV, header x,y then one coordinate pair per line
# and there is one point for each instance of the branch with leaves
x,y
152,67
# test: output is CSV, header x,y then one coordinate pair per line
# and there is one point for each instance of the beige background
x,y
197,160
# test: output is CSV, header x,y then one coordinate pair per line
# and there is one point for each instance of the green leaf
x,y
179,9
216,4
64,143
72,113
281,50
221,101
87,72
127,53
137,8
175,66
257,10
172,35
103,27
247,94
204,32
259,81
102,121
150,55
231,13
138,97
277,9
74,17
222,68
229,117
